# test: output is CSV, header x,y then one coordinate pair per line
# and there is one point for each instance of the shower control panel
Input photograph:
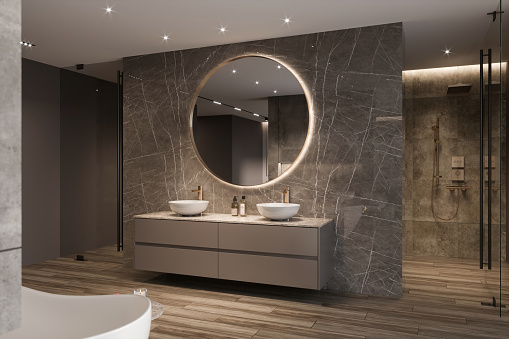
x,y
458,168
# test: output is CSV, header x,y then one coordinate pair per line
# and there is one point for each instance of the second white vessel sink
x,y
188,207
277,210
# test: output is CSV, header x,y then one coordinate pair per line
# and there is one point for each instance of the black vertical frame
x,y
120,118
481,162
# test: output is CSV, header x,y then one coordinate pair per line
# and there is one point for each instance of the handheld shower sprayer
x,y
436,157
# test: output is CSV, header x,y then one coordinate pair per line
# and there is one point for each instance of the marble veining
x,y
227,218
351,171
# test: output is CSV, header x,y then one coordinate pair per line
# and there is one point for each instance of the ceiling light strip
x,y
235,108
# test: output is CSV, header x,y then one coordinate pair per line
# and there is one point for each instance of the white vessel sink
x,y
277,210
188,207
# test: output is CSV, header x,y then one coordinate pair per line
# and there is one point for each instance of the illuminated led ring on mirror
x,y
251,121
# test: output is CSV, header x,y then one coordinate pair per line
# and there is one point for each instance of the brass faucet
x,y
200,192
285,195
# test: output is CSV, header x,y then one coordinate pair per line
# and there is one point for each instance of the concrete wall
x,y
425,100
351,171
10,165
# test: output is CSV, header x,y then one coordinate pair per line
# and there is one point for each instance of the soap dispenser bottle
x,y
235,207
242,206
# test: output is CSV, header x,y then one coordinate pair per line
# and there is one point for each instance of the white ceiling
x,y
240,89
69,32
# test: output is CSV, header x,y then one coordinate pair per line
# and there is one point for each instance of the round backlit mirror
x,y
250,121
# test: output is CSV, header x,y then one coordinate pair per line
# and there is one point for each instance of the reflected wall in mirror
x,y
250,121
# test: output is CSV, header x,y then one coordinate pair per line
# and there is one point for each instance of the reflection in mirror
x,y
250,121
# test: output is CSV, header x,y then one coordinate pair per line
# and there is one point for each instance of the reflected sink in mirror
x,y
278,210
188,207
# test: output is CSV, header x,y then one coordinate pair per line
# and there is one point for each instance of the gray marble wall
x,y
351,171
10,165
425,100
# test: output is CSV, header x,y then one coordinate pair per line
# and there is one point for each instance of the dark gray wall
x,y
288,128
88,162
350,172
41,162
213,137
247,152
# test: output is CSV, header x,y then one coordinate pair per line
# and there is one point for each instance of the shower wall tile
x,y
408,237
351,172
435,239
426,100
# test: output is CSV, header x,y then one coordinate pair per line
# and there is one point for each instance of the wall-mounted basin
x,y
277,210
188,207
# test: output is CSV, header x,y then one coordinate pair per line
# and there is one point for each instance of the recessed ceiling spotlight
x,y
166,38
27,44
257,82
447,51
234,71
279,66
108,9
223,29
287,20
275,91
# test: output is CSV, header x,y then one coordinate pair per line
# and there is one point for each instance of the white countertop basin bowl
x,y
277,210
188,207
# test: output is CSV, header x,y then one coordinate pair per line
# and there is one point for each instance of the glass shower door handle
x,y
481,160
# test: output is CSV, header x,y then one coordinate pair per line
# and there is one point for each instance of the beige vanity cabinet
x,y
268,252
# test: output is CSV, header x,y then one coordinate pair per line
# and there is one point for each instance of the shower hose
x,y
435,161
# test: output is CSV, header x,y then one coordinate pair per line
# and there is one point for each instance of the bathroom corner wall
x,y
425,99
10,165
351,171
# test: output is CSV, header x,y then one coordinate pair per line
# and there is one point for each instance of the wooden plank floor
x,y
441,299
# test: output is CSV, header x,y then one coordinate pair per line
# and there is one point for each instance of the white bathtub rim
x,y
139,323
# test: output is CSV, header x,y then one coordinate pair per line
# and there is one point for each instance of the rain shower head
x,y
459,89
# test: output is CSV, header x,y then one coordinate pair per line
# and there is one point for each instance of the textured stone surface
x,y
227,218
425,100
350,172
10,165
10,284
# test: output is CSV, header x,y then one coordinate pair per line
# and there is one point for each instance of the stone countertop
x,y
226,218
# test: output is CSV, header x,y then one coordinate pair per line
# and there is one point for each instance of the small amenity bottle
x,y
242,206
235,207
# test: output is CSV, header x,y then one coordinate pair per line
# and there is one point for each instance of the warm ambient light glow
x,y
307,143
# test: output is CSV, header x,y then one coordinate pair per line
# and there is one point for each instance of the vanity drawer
x,y
176,232
176,260
269,239
262,269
